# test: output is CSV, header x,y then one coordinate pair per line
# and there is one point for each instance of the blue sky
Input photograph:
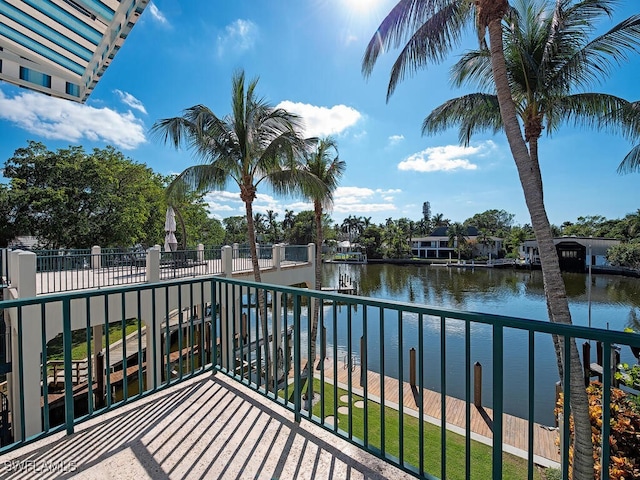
x,y
308,55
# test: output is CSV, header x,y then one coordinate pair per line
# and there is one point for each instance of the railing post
x,y
323,345
26,350
200,253
586,360
228,253
311,258
68,374
477,384
296,359
277,259
412,367
236,249
153,265
363,357
96,251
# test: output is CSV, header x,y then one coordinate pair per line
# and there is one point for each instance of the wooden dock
x,y
515,430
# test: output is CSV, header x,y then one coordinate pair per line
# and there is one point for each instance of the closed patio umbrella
x,y
170,241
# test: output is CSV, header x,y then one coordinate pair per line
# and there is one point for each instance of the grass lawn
x,y
513,467
79,341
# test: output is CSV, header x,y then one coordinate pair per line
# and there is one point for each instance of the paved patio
x,y
207,427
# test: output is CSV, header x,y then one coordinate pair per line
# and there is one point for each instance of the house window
x,y
35,77
72,89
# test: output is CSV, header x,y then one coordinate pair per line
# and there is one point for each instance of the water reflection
x,y
505,292
517,293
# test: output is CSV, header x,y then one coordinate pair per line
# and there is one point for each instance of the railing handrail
x,y
532,325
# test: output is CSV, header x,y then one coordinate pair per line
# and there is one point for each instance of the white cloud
x,y
364,208
130,100
223,196
157,15
395,139
352,200
352,194
59,119
390,190
238,36
323,121
445,158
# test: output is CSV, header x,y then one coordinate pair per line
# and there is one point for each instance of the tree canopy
x,y
70,198
73,199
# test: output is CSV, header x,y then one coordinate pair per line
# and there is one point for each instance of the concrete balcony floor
x,y
206,427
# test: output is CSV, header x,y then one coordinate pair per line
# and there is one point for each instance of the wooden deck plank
x,y
515,429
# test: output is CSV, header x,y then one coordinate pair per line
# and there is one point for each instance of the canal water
x,y
518,293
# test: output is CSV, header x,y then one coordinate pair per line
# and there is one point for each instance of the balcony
x,y
210,378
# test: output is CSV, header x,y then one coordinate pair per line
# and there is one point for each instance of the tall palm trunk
x,y
557,304
262,314
318,286
533,153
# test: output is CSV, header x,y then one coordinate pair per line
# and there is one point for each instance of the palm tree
x,y
438,220
260,225
434,27
547,57
457,234
485,240
255,144
323,163
288,222
274,232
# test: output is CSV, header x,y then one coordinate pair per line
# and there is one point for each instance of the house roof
x,y
443,232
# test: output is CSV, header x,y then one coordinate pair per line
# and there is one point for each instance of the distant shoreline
x,y
624,271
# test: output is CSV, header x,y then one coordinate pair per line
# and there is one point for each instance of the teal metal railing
x,y
78,269
183,263
296,253
367,351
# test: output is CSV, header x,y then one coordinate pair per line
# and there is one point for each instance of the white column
x,y
24,281
227,259
277,249
153,265
311,253
95,257
277,335
200,252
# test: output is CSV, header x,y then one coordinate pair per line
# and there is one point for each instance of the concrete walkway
x,y
207,427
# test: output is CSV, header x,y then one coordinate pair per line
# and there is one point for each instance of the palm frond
x,y
406,16
474,113
582,62
631,162
474,67
599,111
199,179
431,42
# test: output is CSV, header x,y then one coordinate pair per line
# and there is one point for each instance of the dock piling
x,y
412,367
477,384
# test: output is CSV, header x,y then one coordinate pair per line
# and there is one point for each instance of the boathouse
x,y
575,253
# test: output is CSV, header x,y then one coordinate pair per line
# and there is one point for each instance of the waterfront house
x,y
437,244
